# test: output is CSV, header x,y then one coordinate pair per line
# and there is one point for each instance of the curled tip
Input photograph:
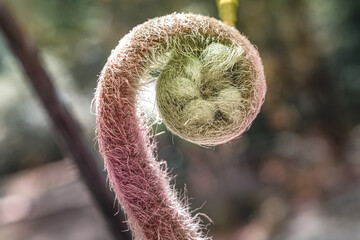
x,y
201,68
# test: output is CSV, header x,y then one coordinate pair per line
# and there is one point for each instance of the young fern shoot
x,y
210,86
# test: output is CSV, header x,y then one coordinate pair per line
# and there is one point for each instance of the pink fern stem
x,y
140,182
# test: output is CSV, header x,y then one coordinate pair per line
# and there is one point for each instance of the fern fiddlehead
x,y
210,87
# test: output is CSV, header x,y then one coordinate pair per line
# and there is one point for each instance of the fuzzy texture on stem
x,y
212,70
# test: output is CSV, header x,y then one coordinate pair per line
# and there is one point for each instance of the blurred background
x,y
295,175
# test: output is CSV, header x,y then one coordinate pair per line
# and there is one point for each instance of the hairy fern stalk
x,y
210,86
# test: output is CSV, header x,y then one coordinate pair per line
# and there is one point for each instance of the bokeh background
x,y
293,176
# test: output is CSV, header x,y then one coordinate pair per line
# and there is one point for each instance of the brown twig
x,y
64,124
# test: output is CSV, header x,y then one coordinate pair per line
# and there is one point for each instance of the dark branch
x,y
64,124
